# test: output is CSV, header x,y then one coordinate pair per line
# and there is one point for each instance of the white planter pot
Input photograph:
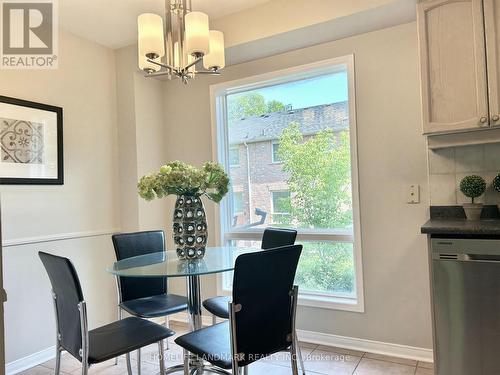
x,y
473,210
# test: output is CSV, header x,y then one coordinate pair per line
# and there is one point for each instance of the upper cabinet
x,y
492,32
454,78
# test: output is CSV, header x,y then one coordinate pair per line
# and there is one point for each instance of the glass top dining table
x,y
167,264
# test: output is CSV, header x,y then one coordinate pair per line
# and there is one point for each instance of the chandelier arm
x,y
174,70
192,63
211,72
158,74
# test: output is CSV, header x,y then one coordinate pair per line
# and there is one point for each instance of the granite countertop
x,y
450,220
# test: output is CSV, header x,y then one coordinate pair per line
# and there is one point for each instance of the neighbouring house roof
x,y
269,126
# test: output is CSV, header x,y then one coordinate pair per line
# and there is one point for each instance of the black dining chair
x,y
272,237
262,314
144,297
100,344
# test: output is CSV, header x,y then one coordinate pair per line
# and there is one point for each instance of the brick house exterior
x,y
251,155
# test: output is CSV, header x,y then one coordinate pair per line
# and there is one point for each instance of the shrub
x,y
473,186
496,183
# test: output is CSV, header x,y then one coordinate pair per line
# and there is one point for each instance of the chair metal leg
x,y
129,366
58,359
299,353
138,361
85,367
119,318
167,325
214,320
293,355
161,353
186,361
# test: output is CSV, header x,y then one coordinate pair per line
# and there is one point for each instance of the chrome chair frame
x,y
84,350
120,317
236,369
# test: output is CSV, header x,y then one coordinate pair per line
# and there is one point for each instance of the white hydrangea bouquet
x,y
189,184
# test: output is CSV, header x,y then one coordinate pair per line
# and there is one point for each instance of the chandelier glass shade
x,y
174,45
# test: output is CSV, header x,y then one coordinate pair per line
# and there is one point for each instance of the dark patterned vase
x,y
190,227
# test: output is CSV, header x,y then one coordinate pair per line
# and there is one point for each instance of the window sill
x,y
331,303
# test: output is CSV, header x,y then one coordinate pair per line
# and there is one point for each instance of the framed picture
x,y
31,143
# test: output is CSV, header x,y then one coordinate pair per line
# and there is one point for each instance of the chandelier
x,y
176,47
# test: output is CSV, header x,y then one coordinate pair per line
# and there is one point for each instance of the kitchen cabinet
x,y
492,33
453,64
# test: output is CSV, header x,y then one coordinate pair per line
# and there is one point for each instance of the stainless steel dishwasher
x,y
466,305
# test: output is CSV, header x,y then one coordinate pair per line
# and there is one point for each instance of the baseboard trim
x,y
353,343
58,237
29,361
363,345
183,317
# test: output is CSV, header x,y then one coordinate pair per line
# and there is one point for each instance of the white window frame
x,y
220,151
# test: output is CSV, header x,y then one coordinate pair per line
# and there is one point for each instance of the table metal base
x,y
196,365
197,371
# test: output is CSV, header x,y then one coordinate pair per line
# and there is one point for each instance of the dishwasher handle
x,y
495,258
483,257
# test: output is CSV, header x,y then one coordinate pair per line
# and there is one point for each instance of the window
x,y
234,156
280,202
307,115
275,152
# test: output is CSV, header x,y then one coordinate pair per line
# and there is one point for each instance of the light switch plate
x,y
413,194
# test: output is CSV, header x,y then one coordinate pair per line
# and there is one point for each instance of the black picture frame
x,y
60,159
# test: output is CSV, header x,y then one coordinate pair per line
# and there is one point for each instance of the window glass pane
x,y
327,268
276,155
306,123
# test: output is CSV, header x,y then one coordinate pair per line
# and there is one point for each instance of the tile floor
x,y
319,360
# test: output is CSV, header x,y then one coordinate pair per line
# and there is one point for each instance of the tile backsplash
x,y
448,166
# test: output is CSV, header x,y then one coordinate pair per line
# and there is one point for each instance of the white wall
x,y
84,85
113,134
392,155
282,16
141,134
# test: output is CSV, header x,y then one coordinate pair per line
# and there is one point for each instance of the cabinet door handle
x,y
483,120
495,118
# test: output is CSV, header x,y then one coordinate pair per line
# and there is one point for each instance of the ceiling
x,y
113,23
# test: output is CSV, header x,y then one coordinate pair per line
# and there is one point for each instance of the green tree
x,y
274,106
319,170
250,104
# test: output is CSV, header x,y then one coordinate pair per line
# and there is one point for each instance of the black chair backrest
x,y
129,245
262,285
68,292
277,237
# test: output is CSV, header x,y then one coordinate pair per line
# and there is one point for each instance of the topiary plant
x,y
496,183
473,186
